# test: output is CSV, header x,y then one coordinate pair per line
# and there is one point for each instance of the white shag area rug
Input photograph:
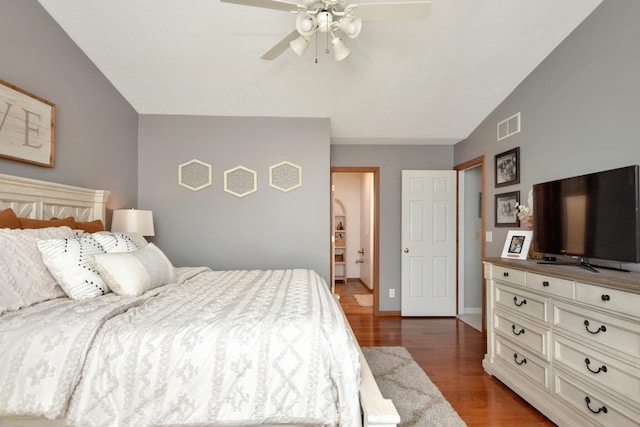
x,y
416,398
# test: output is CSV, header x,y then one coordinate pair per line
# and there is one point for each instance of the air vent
x,y
509,127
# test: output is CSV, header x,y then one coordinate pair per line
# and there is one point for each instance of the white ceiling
x,y
417,82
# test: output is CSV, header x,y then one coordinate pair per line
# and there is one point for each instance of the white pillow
x,y
24,279
69,261
119,242
134,273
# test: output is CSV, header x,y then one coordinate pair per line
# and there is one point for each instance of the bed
x,y
199,347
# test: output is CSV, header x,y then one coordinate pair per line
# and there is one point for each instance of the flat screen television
x,y
592,216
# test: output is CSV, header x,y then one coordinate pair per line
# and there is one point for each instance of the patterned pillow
x,y
69,261
134,273
119,242
24,279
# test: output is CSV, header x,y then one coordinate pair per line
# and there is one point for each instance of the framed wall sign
x,y
27,126
506,214
517,244
507,171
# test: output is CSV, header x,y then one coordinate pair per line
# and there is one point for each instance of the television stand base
x,y
584,264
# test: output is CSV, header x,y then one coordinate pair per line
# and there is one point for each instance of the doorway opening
x,y
355,237
471,226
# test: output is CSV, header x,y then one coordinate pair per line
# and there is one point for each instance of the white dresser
x,y
565,339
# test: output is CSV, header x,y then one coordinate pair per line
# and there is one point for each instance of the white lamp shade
x,y
351,26
300,44
340,51
306,24
133,220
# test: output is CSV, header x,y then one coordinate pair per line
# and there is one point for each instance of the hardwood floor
x,y
451,353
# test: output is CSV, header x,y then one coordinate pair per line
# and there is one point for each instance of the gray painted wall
x,y
266,229
391,160
96,129
580,109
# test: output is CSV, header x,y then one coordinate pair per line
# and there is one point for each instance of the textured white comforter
x,y
218,348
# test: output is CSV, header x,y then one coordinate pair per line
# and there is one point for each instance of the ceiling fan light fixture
x,y
306,24
299,45
325,19
340,50
351,26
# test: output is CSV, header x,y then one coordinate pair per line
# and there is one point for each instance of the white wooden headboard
x,y
31,198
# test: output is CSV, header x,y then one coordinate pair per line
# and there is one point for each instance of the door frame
x,y
376,225
478,161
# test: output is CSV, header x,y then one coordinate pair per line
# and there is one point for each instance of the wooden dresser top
x,y
609,278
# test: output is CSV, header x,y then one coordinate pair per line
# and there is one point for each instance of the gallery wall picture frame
x,y
27,126
506,214
517,243
507,168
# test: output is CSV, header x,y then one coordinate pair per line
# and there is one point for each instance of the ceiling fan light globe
x,y
299,45
340,50
306,24
351,27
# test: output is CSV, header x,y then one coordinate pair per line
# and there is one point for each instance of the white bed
x,y
149,359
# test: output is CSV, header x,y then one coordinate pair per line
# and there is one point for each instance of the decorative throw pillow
x,y
24,279
90,226
69,261
134,273
119,242
44,223
8,219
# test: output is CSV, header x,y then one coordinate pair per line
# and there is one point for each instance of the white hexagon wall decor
x,y
240,181
194,175
285,176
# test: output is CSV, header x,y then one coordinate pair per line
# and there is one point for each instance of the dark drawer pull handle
x,y
602,368
522,362
520,332
505,274
545,284
515,301
600,329
602,409
606,297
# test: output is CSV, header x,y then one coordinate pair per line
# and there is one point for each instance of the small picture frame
x,y
506,214
516,246
507,168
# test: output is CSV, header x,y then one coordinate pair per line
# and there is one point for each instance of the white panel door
x,y
428,243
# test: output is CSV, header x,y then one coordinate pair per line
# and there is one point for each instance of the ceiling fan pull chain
x,y
327,49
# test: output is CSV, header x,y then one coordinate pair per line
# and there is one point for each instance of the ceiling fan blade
x,y
280,47
401,11
267,4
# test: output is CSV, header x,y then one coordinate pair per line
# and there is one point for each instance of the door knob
x,y
406,250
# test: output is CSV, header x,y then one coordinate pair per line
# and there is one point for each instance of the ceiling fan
x,y
330,16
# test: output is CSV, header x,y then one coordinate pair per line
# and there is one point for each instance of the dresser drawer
x,y
523,332
550,285
617,335
509,275
610,299
593,404
598,367
522,361
523,302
